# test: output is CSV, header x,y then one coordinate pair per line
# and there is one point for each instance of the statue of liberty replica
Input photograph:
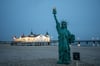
x,y
65,38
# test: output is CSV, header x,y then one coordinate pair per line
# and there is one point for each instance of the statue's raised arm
x,y
57,23
55,12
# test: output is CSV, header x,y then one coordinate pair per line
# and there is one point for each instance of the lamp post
x,y
97,38
93,42
78,42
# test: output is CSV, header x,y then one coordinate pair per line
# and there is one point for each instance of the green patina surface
x,y
65,38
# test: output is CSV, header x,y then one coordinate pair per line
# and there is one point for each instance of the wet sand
x,y
45,56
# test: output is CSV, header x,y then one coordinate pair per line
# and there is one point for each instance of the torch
x,y
54,11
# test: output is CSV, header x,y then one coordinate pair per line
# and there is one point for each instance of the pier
x,y
54,43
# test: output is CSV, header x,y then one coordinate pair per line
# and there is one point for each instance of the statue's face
x,y
63,24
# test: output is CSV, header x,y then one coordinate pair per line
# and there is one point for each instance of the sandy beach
x,y
45,56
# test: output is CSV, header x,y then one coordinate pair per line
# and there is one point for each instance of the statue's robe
x,y
64,48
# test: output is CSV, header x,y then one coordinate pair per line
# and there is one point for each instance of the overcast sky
x,y
23,16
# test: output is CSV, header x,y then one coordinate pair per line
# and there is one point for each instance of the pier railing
x,y
82,42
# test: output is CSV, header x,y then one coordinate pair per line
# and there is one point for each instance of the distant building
x,y
33,38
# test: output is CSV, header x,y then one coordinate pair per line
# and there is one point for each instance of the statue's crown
x,y
64,22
